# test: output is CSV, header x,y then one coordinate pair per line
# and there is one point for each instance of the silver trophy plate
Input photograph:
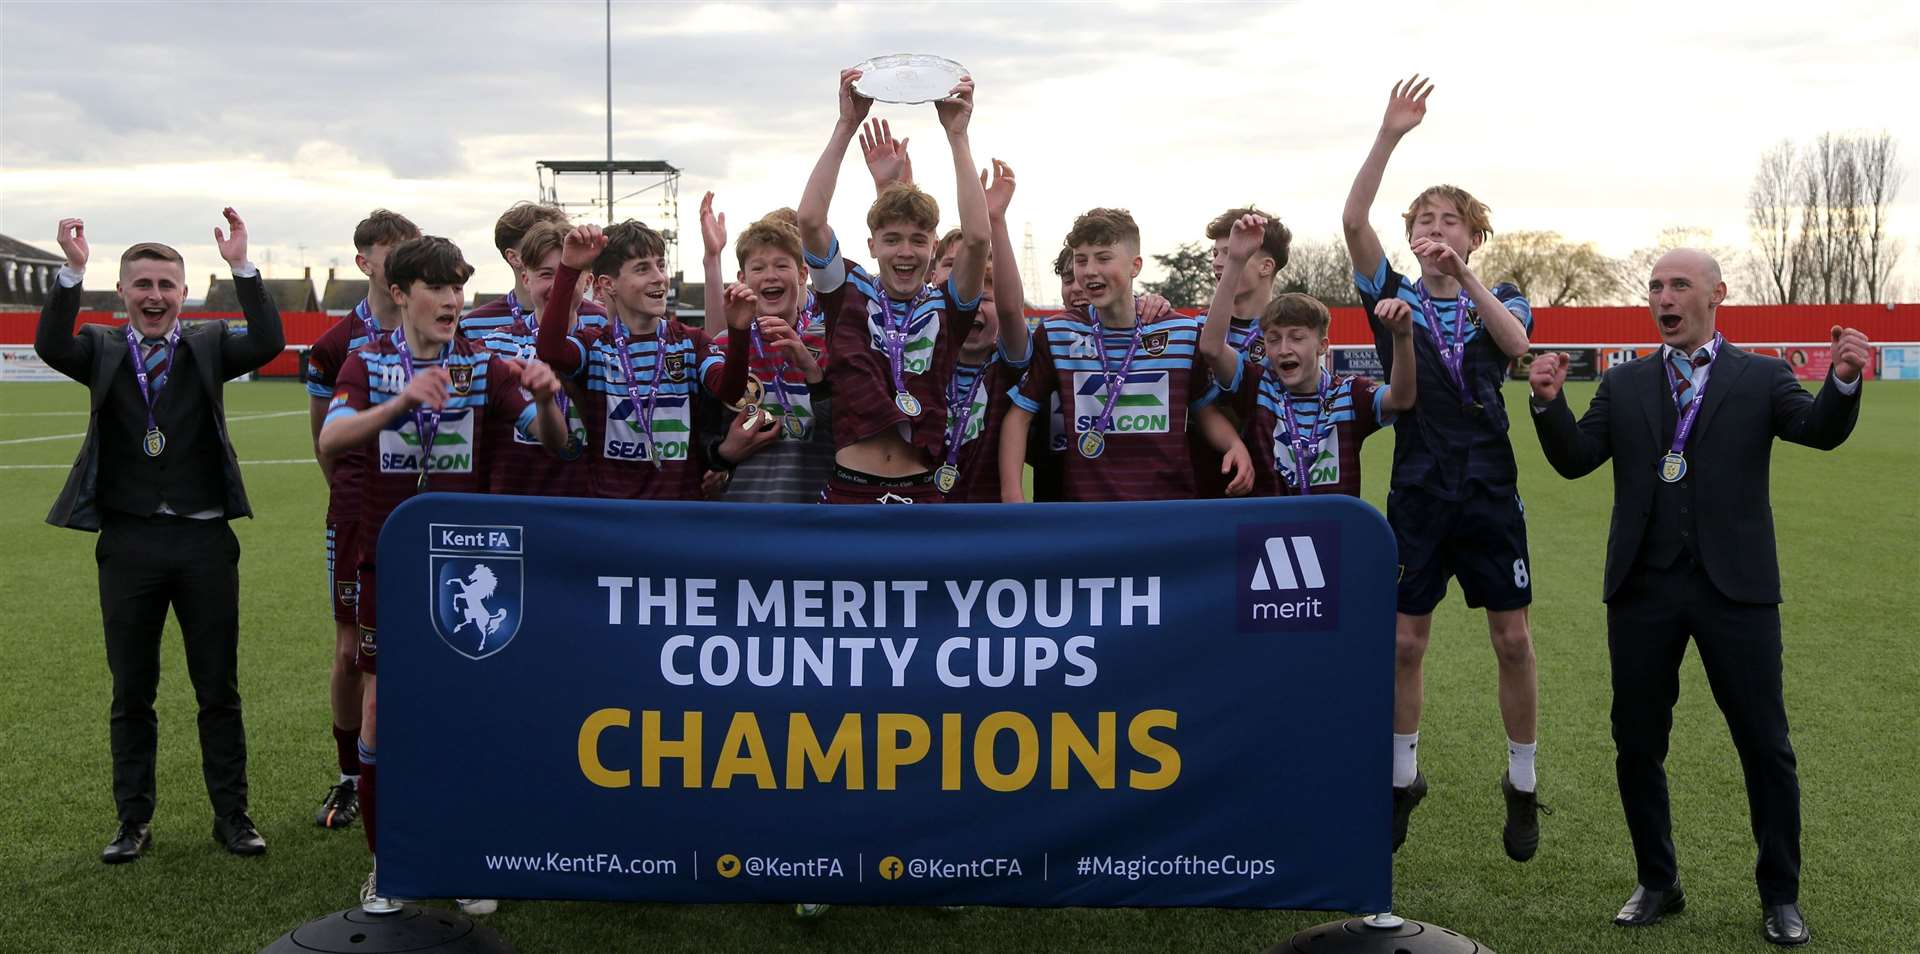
x,y
908,77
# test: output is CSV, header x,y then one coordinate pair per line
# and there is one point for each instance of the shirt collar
x,y
1711,349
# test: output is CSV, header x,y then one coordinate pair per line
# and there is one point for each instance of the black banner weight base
x,y
412,929
1379,934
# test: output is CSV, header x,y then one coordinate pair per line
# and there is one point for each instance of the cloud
x,y
308,115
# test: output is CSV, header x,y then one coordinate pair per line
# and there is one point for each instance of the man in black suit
x,y
1690,430
158,479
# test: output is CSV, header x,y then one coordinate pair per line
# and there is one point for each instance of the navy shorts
x,y
1482,540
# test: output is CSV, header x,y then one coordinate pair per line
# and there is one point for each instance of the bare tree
x,y
1320,269
1631,273
1881,178
1770,207
1548,269
1818,219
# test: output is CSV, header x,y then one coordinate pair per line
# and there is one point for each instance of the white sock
x,y
1406,759
350,778
1520,764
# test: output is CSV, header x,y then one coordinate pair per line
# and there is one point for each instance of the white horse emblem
x,y
471,601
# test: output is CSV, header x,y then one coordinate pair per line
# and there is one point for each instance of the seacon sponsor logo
x,y
1289,579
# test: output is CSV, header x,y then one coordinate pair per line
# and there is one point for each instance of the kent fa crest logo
x,y
1289,578
478,587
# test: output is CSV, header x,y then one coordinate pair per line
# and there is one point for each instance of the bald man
x,y
1690,431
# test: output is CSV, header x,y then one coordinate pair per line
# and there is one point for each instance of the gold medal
x,y
1092,443
750,398
907,403
946,477
794,427
155,442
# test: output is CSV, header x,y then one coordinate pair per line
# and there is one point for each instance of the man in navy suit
x,y
158,479
1690,431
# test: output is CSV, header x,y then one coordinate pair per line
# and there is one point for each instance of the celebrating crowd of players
x,y
914,378
818,378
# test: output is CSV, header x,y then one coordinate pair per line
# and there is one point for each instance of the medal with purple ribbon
x,y
894,330
524,350
957,420
1306,445
789,424
154,442
1452,347
1094,441
426,421
1673,465
643,413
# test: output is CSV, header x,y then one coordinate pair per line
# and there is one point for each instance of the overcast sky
x,y
1605,124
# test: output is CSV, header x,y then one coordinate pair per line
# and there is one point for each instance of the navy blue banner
x,y
1155,704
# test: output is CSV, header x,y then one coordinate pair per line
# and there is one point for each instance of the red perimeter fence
x,y
1774,324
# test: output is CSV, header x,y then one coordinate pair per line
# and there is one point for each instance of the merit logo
x,y
1289,578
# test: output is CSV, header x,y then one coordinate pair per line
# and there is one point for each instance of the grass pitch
x,y
1849,530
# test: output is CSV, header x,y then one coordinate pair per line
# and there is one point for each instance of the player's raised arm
x,y
713,240
1223,359
552,343
976,233
887,159
1009,293
816,237
1404,111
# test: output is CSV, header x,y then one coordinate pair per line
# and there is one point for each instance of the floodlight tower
x,y
659,180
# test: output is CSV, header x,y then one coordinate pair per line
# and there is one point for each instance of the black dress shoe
x,y
1648,906
238,835
1785,926
128,843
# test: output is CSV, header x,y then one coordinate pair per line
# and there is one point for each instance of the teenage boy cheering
x,y
1454,507
778,448
1302,424
418,399
892,338
1128,385
521,465
639,374
373,240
